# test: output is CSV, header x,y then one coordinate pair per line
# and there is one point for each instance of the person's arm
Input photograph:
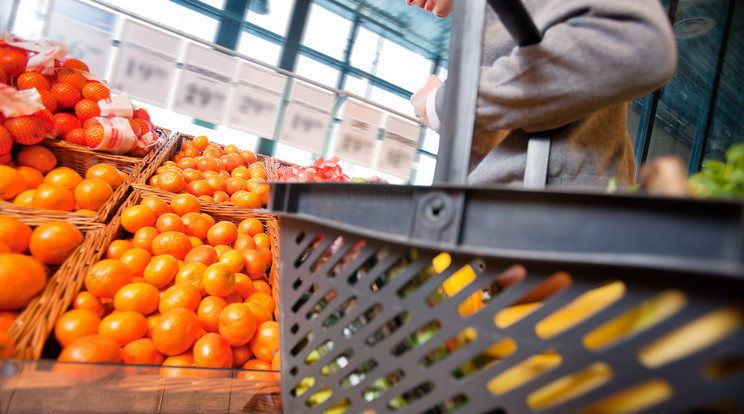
x,y
594,54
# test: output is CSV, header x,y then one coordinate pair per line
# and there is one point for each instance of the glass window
x,y
431,141
29,19
358,86
259,48
402,67
175,16
362,55
294,155
316,71
425,170
276,19
218,4
318,37
391,100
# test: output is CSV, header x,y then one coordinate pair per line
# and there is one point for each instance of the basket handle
x,y
459,115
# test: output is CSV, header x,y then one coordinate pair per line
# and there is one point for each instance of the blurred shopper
x,y
594,57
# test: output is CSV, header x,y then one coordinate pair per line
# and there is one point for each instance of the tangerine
x,y
262,298
200,142
88,301
156,204
171,180
170,222
53,242
138,297
11,183
261,313
250,226
237,324
256,371
75,324
241,354
174,243
107,173
22,277
191,273
218,280
53,197
196,225
136,259
199,188
209,311
6,345
176,331
15,234
37,157
25,199
117,247
63,176
31,176
180,295
212,351
265,342
143,238
224,232
123,326
243,285
92,348
92,193
142,352
106,277
185,360
255,264
161,270
234,260
185,203
135,217
244,242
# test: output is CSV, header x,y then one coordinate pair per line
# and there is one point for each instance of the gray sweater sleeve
x,y
594,54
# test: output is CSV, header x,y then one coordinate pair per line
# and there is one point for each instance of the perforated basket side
x,y
369,325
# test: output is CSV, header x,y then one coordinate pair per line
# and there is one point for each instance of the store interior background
x,y
382,50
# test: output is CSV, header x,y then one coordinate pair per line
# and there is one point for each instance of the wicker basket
x,y
271,169
80,159
34,324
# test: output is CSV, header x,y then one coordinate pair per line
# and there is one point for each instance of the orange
x,y
136,260
191,273
191,174
217,183
263,191
195,241
186,162
37,157
161,270
171,180
31,176
265,342
55,241
256,371
53,197
261,313
223,232
241,172
6,345
75,64
136,217
213,152
124,326
138,297
206,198
11,183
237,324
75,324
92,193
249,157
255,264
201,254
262,298
244,242
143,238
106,277
25,199
169,222
231,149
200,142
199,188
230,162
208,163
212,351
250,226
241,354
7,318
95,91
71,77
15,234
107,173
218,280
276,362
156,204
209,218
233,185
247,199
88,301
262,286
63,176
176,331
185,203
117,247
174,243
21,278
234,260
28,80
209,311
266,254
262,239
243,285
180,295
185,360
233,298
152,320
190,152
142,352
210,174
220,197
196,225
92,348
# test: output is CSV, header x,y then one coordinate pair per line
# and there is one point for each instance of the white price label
x,y
205,84
308,114
146,65
397,151
85,30
357,135
257,101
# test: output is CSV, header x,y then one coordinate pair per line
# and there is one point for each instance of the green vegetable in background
x,y
719,180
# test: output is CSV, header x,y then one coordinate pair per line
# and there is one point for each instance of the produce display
x,y
216,173
177,289
320,170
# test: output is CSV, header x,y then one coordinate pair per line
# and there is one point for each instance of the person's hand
x,y
418,99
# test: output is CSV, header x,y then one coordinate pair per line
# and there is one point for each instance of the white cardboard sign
x,y
257,100
308,114
397,151
357,135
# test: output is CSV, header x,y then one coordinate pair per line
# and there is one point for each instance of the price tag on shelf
x,y
86,31
357,136
146,65
308,114
397,151
257,100
205,84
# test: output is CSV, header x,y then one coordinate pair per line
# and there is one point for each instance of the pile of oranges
x,y
180,290
33,179
212,173
26,258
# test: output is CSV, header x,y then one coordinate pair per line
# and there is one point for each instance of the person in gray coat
x,y
595,56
